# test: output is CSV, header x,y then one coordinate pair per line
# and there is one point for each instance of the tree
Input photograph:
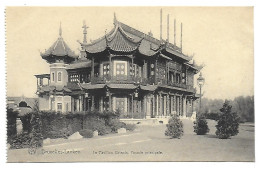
x,y
201,125
174,127
228,122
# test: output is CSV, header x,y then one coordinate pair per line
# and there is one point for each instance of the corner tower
x,y
59,55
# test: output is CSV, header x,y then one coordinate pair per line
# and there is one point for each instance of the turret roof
x,y
59,49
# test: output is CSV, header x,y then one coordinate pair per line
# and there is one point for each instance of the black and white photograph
x,y
130,84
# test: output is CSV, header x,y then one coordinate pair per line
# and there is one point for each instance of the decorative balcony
x,y
138,80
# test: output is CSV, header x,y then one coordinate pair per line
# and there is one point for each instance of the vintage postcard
x,y
130,84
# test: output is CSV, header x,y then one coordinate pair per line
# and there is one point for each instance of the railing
x,y
138,80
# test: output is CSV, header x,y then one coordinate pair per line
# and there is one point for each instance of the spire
x,y
84,32
60,31
168,28
115,20
161,25
174,32
181,37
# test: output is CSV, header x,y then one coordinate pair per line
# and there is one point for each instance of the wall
x,y
44,103
56,68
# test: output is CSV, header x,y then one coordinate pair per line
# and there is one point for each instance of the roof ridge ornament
x,y
60,30
85,27
115,20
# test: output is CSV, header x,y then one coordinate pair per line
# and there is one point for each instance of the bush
x,y
99,125
115,124
130,127
36,133
26,122
228,122
86,133
174,127
20,141
201,125
11,123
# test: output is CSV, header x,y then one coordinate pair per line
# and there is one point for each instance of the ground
x,y
147,143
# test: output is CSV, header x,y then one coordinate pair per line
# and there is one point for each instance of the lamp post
x,y
200,82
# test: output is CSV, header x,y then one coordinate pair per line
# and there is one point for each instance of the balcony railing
x,y
138,80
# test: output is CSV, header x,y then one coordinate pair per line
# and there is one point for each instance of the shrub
x,y
174,127
99,125
201,125
130,127
228,122
11,123
36,133
20,141
115,124
86,133
26,122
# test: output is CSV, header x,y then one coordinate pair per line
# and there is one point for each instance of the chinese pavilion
x,y
125,70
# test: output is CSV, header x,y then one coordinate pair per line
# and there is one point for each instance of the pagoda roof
x,y
123,38
59,49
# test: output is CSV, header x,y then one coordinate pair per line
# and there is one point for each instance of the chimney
x,y
168,28
161,25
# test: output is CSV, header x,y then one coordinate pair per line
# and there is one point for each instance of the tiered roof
x,y
59,49
123,38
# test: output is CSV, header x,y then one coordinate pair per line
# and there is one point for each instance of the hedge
x,y
11,123
57,125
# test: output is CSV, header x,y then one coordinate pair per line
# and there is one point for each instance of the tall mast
x,y
168,38
181,37
161,25
174,32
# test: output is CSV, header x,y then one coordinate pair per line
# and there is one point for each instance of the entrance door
x,y
120,105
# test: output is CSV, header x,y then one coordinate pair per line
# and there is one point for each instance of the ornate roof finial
x,y
85,31
60,31
115,20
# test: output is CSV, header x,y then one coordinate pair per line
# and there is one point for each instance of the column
x,y
92,67
165,106
132,105
153,106
178,105
184,106
145,109
171,101
92,103
161,109
110,66
168,105
101,104
174,104
110,102
181,107
157,105
145,69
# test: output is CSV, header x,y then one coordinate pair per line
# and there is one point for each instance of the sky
x,y
221,38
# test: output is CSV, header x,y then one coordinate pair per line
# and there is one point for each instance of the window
x,y
59,76
53,76
106,69
59,106
120,69
73,78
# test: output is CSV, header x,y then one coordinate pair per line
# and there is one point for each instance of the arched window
x,y
22,104
59,76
